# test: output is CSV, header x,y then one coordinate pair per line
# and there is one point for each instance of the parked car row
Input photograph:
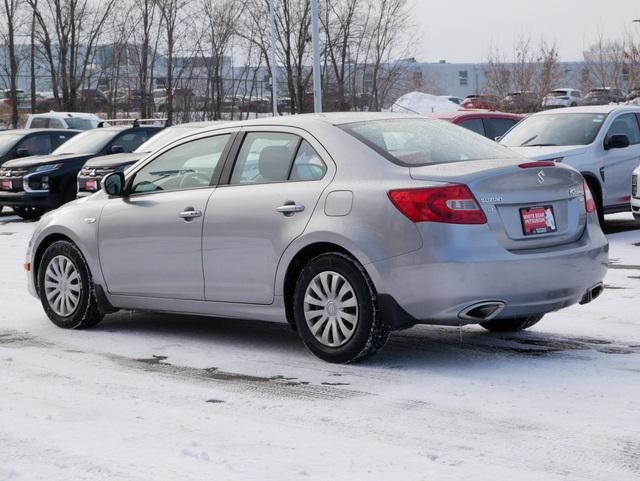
x,y
34,184
525,102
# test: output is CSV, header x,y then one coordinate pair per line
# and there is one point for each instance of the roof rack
x,y
134,122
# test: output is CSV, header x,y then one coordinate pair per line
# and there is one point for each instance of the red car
x,y
481,101
488,123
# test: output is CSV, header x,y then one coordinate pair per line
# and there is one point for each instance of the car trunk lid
x,y
527,207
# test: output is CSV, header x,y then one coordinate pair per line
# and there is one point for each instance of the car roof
x,y
308,120
78,115
478,113
592,109
35,131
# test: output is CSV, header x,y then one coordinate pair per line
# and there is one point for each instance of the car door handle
x,y
290,208
190,214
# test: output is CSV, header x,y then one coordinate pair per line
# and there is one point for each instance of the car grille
x,y
634,185
97,172
11,179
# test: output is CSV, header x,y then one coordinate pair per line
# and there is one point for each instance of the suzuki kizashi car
x,y
347,226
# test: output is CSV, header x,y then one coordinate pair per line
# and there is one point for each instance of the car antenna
x,y
136,123
167,123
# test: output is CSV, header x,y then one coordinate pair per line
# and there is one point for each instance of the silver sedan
x,y
346,226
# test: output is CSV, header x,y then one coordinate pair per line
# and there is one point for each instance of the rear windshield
x,y
555,129
81,124
558,93
417,142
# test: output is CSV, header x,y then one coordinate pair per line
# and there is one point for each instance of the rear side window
x,y
475,125
39,123
415,142
307,165
60,138
497,127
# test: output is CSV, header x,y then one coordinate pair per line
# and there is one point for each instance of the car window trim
x,y
214,178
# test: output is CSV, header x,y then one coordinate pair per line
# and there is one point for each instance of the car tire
x,y
512,325
342,323
66,289
29,213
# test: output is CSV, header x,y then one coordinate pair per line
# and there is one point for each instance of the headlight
x,y
45,168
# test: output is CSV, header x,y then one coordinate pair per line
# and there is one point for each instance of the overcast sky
x,y
464,30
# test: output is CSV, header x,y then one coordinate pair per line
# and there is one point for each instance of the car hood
x,y
38,160
114,160
549,153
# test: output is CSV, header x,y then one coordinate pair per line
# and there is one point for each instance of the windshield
x,y
164,137
416,142
81,124
555,129
90,142
7,141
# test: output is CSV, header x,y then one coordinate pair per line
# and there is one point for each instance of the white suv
x,y
63,120
602,142
562,98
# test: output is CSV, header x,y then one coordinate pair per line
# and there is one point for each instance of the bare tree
x,y
604,63
68,34
11,15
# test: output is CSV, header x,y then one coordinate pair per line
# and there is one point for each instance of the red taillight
x,y
451,204
589,203
539,163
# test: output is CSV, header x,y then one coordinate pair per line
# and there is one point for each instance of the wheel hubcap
x,y
62,286
331,309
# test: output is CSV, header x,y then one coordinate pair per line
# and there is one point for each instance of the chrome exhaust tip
x,y
593,293
481,311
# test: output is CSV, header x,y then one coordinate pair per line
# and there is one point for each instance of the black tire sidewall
x,y
368,313
70,251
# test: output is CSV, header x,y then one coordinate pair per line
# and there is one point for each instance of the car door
x,y
620,163
271,192
150,241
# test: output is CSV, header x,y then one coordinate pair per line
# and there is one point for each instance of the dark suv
x,y
15,144
33,185
604,96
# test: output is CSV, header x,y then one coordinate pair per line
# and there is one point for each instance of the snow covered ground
x,y
164,397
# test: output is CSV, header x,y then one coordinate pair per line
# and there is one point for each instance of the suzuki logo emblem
x,y
541,176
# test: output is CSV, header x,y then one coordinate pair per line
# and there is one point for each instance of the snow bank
x,y
421,103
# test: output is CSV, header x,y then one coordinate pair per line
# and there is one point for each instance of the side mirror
x,y
113,184
116,149
617,141
22,152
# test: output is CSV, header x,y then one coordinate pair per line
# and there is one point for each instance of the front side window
x,y
626,124
187,166
555,129
417,142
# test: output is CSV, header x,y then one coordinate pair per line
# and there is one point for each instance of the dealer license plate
x,y
538,220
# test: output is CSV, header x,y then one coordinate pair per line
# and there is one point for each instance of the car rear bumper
x,y
436,283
